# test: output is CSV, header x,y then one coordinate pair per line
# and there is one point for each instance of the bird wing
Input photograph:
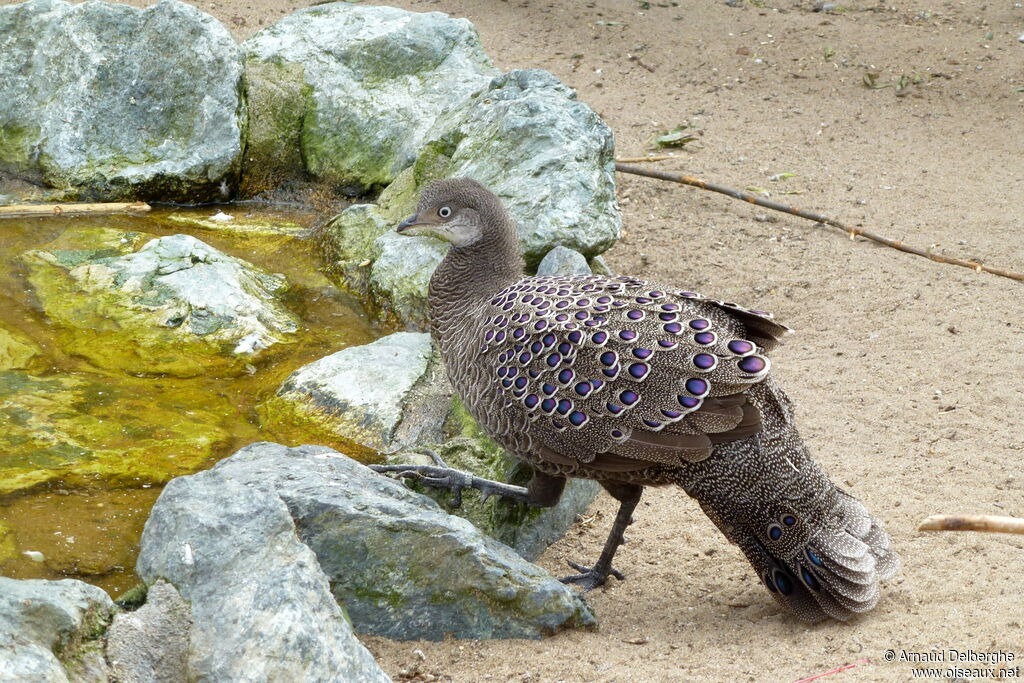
x,y
621,374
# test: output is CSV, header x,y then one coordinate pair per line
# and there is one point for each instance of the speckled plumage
x,y
633,383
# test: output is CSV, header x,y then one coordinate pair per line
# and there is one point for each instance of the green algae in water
x,y
84,450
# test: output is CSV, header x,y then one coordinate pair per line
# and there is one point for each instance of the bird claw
x,y
591,577
439,477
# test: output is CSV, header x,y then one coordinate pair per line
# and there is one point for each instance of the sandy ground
x,y
908,374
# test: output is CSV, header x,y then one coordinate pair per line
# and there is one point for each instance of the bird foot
x,y
591,577
441,476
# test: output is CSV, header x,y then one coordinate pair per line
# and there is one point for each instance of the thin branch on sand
x,y
818,218
991,523
836,670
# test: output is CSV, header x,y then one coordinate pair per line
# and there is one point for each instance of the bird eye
x,y
444,212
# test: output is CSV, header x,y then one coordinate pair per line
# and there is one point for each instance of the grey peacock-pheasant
x,y
635,384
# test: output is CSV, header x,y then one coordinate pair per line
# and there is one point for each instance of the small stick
x,y
833,671
810,215
992,523
641,160
29,210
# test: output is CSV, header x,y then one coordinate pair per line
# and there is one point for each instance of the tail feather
x,y
816,548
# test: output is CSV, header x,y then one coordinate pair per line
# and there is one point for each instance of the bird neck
x,y
467,278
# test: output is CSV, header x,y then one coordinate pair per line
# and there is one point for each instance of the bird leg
x,y
441,476
589,578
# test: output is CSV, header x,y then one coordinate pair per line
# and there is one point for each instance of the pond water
x,y
88,525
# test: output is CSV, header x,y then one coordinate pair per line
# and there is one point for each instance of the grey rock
x,y
119,102
548,156
175,293
261,609
386,394
46,626
563,261
150,645
354,91
402,566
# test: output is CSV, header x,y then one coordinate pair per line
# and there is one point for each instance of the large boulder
x,y
400,565
374,397
260,608
548,157
49,629
112,102
78,431
348,94
171,305
151,643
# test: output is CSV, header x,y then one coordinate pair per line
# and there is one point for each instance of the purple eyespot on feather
x,y
688,295
688,402
672,414
581,315
583,302
583,388
704,338
740,346
638,370
642,353
500,336
540,325
565,376
672,328
667,344
561,317
548,339
603,299
549,389
521,382
526,298
626,335
507,306
655,294
592,323
705,361
697,386
596,383
524,358
670,307
752,364
611,372
599,337
616,433
653,424
577,418
565,348
502,371
575,337
553,360
557,424
535,300
536,347
518,333
700,324
635,314
600,309
548,405
609,358
613,408
564,406
543,304
561,304
629,397
506,383
533,373
668,317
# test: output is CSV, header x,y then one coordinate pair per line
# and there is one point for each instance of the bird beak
x,y
409,222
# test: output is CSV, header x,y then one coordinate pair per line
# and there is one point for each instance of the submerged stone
x,y
176,306
78,432
118,102
17,352
348,93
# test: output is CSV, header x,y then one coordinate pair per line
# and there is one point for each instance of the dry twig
x,y
836,670
38,210
991,523
810,215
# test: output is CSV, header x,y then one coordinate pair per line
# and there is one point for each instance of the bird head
x,y
460,211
